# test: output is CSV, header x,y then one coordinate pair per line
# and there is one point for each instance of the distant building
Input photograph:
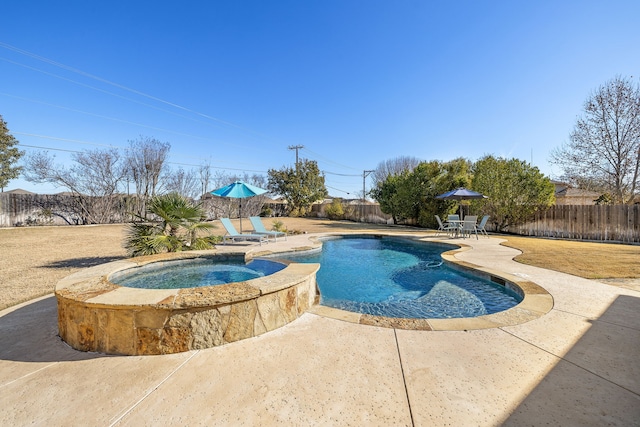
x,y
567,195
19,191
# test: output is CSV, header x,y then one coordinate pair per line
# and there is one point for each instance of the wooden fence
x,y
63,209
607,223
617,223
369,213
29,209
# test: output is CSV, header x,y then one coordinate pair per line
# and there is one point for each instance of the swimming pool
x,y
396,277
194,273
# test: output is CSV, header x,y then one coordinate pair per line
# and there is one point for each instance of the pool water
x,y
194,273
397,277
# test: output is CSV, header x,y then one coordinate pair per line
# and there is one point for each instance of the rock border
x,y
95,314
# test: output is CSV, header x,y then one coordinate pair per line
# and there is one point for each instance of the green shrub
x,y
175,226
335,210
279,226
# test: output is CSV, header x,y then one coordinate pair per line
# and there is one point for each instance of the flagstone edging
x,y
95,314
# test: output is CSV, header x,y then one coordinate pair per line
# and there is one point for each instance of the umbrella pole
x,y
240,214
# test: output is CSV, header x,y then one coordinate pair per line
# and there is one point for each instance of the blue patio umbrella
x,y
461,193
239,190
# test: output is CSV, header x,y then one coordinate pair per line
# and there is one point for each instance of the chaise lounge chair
x,y
233,235
258,228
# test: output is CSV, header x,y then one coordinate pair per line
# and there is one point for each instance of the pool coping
x,y
536,300
88,301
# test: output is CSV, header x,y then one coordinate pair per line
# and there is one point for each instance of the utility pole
x,y
365,174
296,147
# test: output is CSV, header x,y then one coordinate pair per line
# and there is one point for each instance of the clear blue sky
x,y
354,82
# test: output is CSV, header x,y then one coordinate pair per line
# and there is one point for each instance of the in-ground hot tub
x,y
95,314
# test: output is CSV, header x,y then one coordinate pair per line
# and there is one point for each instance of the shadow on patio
x,y
598,381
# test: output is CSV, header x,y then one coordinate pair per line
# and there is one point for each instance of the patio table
x,y
456,225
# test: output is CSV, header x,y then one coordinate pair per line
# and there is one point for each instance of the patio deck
x,y
576,365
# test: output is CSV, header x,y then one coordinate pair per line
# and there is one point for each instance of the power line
x,y
336,189
217,167
48,148
76,141
365,174
64,139
168,162
123,121
329,161
296,147
338,174
115,95
137,92
119,86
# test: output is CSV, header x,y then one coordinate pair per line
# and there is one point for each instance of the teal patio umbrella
x,y
239,190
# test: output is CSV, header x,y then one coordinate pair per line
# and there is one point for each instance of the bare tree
x,y
393,167
205,176
220,179
146,162
604,147
255,179
93,180
183,182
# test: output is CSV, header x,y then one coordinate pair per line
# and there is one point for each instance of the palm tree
x,y
177,226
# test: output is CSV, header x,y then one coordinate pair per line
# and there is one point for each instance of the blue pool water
x,y
396,277
194,273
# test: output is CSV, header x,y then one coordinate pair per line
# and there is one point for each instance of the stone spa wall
x,y
97,315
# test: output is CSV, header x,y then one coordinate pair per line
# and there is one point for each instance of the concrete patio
x,y
577,365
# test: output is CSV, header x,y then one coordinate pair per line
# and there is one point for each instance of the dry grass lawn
x,y
584,259
34,259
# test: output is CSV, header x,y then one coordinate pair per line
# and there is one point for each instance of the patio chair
x,y
469,226
258,228
453,217
440,225
454,224
233,235
482,224
448,228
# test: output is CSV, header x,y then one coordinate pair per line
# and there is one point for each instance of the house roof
x,y
19,191
576,192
